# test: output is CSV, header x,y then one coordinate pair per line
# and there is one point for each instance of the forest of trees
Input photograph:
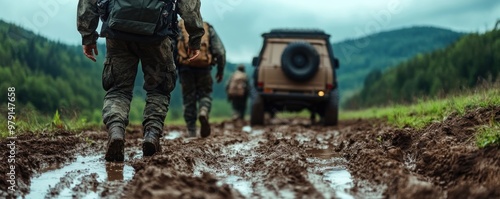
x,y
50,76
47,75
462,65
382,50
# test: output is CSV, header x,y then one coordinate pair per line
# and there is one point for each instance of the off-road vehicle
x,y
294,71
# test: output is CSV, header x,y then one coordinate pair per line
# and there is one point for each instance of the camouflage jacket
x,y
189,10
217,49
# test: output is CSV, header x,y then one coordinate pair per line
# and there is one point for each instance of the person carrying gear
x,y
195,76
137,31
237,89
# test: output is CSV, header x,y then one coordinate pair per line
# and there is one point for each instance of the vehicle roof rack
x,y
291,33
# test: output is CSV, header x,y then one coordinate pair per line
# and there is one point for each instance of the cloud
x,y
240,23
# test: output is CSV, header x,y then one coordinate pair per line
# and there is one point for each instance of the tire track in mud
x,y
264,163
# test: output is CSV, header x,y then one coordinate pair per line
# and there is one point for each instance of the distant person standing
x,y
195,77
237,90
132,36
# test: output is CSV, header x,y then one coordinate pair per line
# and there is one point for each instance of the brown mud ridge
x,y
286,159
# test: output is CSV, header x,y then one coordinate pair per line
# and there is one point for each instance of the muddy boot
x,y
191,133
116,142
151,144
235,117
205,126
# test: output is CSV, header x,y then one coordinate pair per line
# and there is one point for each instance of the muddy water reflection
x,y
331,167
62,181
172,135
340,180
238,183
114,171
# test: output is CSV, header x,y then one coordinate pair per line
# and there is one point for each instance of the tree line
x,y
471,60
380,51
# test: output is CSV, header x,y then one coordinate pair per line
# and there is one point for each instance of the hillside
x,y
380,51
50,76
464,64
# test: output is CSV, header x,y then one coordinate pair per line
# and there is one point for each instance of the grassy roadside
x,y
428,111
40,124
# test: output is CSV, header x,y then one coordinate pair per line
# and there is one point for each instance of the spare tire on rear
x,y
300,61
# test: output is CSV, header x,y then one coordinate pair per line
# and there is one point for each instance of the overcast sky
x,y
240,23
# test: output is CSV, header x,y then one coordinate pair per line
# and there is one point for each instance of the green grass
x,y
36,123
425,112
29,120
488,135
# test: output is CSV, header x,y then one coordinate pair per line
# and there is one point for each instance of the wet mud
x,y
285,159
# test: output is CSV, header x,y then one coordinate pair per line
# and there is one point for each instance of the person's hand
x,y
90,50
193,54
219,76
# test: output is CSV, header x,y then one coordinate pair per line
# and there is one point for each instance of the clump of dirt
x,y
169,174
155,182
286,167
448,155
412,162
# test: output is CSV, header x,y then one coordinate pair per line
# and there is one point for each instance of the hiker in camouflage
x,y
196,82
124,51
237,90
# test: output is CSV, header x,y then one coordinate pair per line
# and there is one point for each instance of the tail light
x,y
329,86
260,84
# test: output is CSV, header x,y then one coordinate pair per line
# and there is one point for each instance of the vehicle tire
x,y
300,61
331,114
257,115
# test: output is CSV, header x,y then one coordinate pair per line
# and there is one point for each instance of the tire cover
x,y
300,61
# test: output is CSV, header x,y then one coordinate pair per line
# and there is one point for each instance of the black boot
x,y
151,143
205,125
116,142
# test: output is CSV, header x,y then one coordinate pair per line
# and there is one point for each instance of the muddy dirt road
x,y
284,159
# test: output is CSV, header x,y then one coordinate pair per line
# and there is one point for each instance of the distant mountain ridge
x,y
380,51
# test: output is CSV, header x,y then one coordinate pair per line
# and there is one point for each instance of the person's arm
x,y
87,22
219,53
227,87
189,10
228,82
247,88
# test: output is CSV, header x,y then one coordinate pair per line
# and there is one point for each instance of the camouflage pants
x,y
239,105
196,90
120,70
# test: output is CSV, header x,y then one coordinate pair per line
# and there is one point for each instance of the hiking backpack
x,y
205,58
138,19
238,85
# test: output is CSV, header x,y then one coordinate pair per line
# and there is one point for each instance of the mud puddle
x,y
89,176
86,177
330,168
